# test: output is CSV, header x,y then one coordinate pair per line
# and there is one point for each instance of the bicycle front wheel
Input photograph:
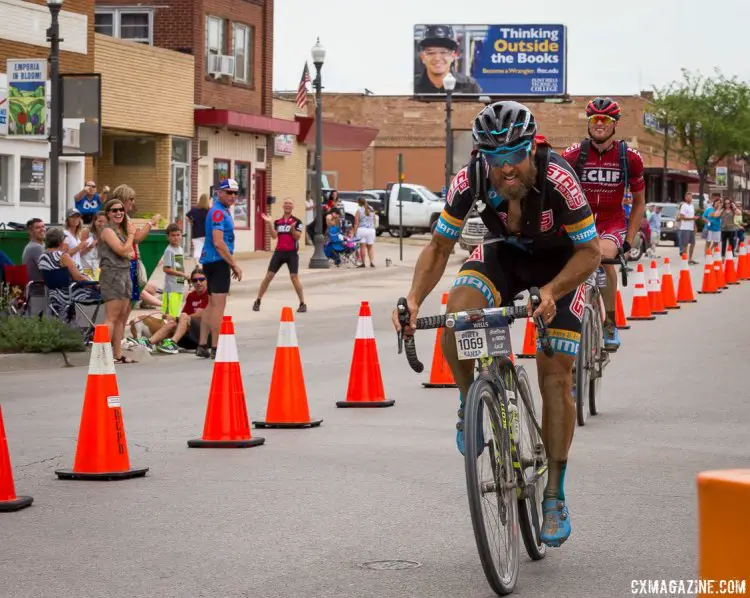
x,y
582,373
490,484
597,357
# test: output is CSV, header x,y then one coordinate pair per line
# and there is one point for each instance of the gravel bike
x,y
500,424
592,358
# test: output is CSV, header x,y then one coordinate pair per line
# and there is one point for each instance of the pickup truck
x,y
420,209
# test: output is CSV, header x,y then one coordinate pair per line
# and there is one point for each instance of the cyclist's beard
x,y
521,189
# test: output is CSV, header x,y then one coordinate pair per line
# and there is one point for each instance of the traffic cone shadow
x,y
8,500
102,451
287,397
440,374
226,424
365,380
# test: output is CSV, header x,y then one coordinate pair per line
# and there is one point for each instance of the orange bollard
x,y
641,308
8,500
667,287
528,351
685,284
440,374
287,398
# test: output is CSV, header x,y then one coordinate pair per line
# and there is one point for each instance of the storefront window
x,y
242,207
4,179
180,150
33,173
221,172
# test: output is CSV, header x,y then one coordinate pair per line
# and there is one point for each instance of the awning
x,y
336,136
250,123
682,176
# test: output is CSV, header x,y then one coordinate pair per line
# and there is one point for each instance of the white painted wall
x,y
27,23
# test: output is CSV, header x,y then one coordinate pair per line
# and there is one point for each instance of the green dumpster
x,y
12,243
151,250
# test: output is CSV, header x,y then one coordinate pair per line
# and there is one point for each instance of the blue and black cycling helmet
x,y
503,125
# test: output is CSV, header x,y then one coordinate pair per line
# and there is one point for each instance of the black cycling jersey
x,y
556,214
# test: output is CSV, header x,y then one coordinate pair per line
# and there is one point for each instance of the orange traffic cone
x,y
641,308
654,290
226,424
721,282
440,374
8,499
743,269
667,287
529,341
102,451
710,282
685,284
621,321
365,382
730,271
287,399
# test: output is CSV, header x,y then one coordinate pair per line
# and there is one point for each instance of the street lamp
x,y
54,122
318,260
449,84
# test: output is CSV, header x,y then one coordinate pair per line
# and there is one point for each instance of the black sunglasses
x,y
117,210
199,279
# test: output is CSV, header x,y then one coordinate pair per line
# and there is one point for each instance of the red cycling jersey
x,y
602,178
284,227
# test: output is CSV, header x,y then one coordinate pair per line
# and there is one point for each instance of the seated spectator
x,y
58,266
335,243
33,251
4,261
172,336
90,259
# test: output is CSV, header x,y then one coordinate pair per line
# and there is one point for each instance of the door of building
x,y
181,199
260,208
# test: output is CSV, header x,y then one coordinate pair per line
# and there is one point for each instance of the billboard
x,y
492,60
27,98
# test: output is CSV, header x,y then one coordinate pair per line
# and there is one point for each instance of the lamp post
x,y
449,84
54,121
318,260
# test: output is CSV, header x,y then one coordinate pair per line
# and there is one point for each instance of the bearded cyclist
x,y
543,235
606,167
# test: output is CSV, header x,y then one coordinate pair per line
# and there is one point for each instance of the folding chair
x,y
83,308
17,278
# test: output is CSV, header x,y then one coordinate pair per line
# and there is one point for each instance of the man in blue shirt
x,y
88,202
713,223
219,264
654,222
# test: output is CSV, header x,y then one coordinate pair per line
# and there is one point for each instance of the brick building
x,y
231,42
24,165
417,130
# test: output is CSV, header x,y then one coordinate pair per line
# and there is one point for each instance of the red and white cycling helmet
x,y
603,106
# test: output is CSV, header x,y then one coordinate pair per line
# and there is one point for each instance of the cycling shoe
x,y
556,526
611,338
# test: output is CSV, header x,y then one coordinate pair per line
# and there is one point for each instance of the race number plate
x,y
488,337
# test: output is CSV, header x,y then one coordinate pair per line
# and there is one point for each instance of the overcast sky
x,y
614,46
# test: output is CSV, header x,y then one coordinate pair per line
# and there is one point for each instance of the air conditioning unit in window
x,y
220,65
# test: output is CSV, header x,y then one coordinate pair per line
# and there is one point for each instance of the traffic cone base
x,y
226,424
440,374
21,502
102,450
9,501
365,380
314,423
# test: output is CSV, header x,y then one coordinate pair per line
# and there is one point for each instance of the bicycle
x,y
517,476
592,358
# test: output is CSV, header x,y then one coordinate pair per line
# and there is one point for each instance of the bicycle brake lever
x,y
403,320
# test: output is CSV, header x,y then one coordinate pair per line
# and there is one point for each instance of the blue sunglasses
x,y
507,155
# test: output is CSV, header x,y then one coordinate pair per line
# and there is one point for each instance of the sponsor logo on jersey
x,y
477,255
579,300
567,185
459,184
218,216
284,228
547,220
612,176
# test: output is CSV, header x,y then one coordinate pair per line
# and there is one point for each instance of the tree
x,y
710,117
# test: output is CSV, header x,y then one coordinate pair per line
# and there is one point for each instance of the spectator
x,y
174,273
287,231
727,213
364,224
115,253
654,222
739,223
686,233
33,251
218,264
310,217
335,243
88,202
197,216
55,258
76,240
713,224
90,259
4,261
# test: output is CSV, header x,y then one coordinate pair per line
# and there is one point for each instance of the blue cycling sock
x,y
556,480
561,491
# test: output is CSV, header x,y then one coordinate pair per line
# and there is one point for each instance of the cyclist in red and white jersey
x,y
606,168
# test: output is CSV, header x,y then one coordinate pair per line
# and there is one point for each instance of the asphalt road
x,y
298,515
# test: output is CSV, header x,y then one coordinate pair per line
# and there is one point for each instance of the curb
x,y
24,362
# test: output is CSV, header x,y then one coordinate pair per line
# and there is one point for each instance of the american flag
x,y
302,89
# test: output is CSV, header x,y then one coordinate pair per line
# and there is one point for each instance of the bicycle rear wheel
x,y
597,356
490,479
533,458
582,377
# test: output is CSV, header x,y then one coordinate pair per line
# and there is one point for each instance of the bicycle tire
x,y
484,396
597,340
535,548
582,371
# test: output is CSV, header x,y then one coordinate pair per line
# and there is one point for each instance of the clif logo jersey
x,y
284,227
602,177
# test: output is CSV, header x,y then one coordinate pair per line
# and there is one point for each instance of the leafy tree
x,y
709,117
